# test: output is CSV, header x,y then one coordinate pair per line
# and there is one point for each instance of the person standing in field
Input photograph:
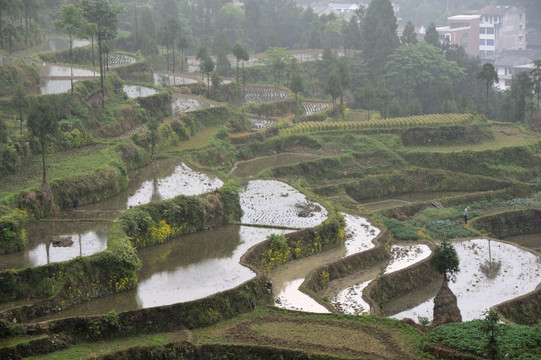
x,y
466,215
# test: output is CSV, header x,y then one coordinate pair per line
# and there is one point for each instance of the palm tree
x,y
488,74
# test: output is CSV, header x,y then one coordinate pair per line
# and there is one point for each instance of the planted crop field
x,y
264,94
115,60
258,124
313,107
393,123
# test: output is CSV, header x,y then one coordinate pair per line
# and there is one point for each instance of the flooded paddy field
x,y
350,300
137,91
274,203
483,281
288,278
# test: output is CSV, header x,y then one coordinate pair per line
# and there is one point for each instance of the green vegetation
x,y
517,342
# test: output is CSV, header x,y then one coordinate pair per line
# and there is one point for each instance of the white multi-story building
x,y
501,28
488,31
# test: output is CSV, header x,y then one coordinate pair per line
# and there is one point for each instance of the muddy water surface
x,y
88,238
163,179
187,268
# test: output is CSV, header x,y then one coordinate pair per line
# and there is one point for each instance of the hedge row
x,y
401,123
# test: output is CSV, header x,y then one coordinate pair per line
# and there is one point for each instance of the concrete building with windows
x,y
488,31
501,28
463,30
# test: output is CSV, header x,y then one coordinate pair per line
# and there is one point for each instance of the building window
x,y
465,35
482,30
481,41
520,27
465,45
520,39
490,42
489,53
490,30
520,16
486,18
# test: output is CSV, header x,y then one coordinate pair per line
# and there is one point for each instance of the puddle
x,y
274,203
137,91
515,272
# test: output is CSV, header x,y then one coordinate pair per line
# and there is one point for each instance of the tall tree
x,y
104,15
173,28
71,20
183,44
42,122
296,86
422,71
220,48
432,36
445,260
4,6
409,36
535,74
10,33
379,38
490,76
334,87
240,54
88,31
230,19
20,101
277,58
345,76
